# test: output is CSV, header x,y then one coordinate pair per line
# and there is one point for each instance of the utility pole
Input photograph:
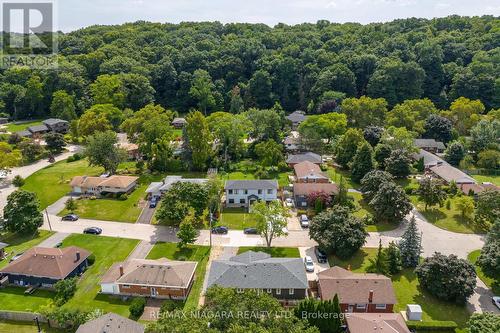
x,y
48,219
210,229
38,325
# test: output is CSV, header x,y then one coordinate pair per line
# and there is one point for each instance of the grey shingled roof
x,y
309,156
3,245
258,270
179,121
429,143
251,184
429,158
38,128
53,121
297,116
24,133
111,323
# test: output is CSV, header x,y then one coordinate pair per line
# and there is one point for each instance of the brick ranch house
x,y
102,185
371,293
41,266
162,278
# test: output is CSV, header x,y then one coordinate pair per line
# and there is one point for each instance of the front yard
x,y
448,219
408,290
20,243
362,209
190,253
472,257
107,250
278,252
237,218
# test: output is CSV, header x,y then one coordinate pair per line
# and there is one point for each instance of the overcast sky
x,y
75,14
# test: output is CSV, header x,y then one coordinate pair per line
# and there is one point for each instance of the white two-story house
x,y
242,193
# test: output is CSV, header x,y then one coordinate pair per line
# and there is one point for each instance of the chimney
x,y
370,297
77,256
121,270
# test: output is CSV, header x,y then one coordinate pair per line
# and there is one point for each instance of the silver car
x,y
309,264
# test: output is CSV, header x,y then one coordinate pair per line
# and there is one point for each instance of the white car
x,y
304,221
309,263
496,301
289,202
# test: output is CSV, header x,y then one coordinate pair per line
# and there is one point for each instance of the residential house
x,y
3,120
25,134
160,278
38,129
430,145
179,123
56,125
429,159
376,323
296,118
42,266
132,150
242,193
309,156
156,189
292,142
111,323
2,250
357,292
449,174
102,185
308,172
283,278
301,191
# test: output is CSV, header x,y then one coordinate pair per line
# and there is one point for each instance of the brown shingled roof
x,y
354,288
112,181
53,263
376,322
308,169
308,188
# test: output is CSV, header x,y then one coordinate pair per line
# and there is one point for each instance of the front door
x,y
154,293
350,308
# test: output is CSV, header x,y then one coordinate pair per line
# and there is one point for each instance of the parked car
x,y
70,217
304,221
496,301
220,230
309,263
289,202
153,203
92,231
321,255
250,231
17,256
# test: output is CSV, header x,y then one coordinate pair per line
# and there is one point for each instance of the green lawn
x,y
408,290
237,218
281,177
487,178
335,174
190,253
52,182
472,257
107,250
25,327
21,127
362,209
278,252
14,299
20,243
446,219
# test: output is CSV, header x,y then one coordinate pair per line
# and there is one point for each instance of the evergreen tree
x,y
410,245
379,264
363,162
398,163
394,262
309,309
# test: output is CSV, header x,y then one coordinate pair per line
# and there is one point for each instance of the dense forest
x,y
231,67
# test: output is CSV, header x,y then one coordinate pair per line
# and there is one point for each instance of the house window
x,y
270,191
242,201
230,191
360,306
304,204
239,291
259,191
291,291
246,191
278,291
380,306
269,291
235,191
231,201
126,286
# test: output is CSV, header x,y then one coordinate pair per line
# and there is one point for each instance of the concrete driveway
x,y
318,267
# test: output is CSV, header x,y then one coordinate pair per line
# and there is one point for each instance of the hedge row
x,y
425,326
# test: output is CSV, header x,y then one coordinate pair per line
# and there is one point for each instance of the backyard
x,y
362,209
472,257
488,178
189,253
237,218
25,327
335,174
107,250
20,243
408,290
278,252
12,127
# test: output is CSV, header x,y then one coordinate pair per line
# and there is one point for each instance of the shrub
x,y
91,259
124,197
428,326
136,308
18,181
170,305
448,204
65,289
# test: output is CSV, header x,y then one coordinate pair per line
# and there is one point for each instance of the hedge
x,y
428,326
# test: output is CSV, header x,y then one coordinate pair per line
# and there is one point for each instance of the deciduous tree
x,y
390,204
102,151
22,212
271,219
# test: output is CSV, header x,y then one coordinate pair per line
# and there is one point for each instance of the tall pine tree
x,y
394,262
363,162
379,263
410,245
